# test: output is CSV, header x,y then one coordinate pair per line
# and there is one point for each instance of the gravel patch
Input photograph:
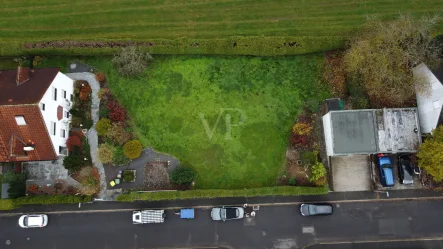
x,y
156,176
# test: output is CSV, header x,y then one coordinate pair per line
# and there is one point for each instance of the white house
x,y
34,114
429,99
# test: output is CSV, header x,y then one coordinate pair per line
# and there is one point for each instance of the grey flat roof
x,y
375,131
353,132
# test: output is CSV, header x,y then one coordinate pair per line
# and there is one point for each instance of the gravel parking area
x,y
351,173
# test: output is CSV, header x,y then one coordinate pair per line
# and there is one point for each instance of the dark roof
x,y
14,137
29,92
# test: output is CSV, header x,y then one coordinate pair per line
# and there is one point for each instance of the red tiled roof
x,y
59,112
30,91
14,137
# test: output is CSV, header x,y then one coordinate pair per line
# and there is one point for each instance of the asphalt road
x,y
277,227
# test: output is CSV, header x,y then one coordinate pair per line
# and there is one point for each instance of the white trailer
x,y
148,216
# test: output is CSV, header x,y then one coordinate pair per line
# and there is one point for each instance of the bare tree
x,y
384,53
131,61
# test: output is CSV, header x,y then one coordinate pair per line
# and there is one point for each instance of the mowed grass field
x,y
227,117
24,20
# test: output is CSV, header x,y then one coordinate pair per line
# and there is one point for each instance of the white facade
x,y
328,133
429,101
58,94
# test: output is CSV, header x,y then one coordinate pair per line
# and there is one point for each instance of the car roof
x,y
388,176
384,160
35,220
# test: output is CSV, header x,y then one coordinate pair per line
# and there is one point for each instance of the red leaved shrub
x,y
72,142
100,77
84,92
78,134
116,112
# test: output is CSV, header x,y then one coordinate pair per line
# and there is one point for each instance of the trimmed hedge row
x,y
9,204
217,193
242,45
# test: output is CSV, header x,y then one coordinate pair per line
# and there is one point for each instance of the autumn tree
x,y
430,155
384,53
131,61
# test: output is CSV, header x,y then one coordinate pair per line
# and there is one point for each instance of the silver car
x,y
227,213
33,220
315,209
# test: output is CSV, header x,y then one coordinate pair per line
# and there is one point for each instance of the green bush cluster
x,y
217,193
183,175
103,126
119,158
242,45
9,204
52,199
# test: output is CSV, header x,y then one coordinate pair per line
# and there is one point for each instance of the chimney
x,y
22,75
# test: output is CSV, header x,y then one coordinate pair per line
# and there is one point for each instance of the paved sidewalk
x,y
331,197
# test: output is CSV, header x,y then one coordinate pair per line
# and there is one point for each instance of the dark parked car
x,y
315,209
386,170
405,169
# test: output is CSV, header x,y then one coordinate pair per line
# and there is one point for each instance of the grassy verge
x,y
219,193
9,204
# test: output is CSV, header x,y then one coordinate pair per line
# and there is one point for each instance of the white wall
x,y
328,133
429,103
61,82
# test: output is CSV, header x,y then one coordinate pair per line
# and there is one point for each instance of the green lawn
x,y
178,101
98,19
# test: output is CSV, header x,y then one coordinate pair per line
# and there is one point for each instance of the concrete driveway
x,y
351,173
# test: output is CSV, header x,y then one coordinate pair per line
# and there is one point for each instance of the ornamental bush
x,y
100,77
105,152
103,126
183,176
318,172
73,141
118,134
132,149
119,158
301,129
116,111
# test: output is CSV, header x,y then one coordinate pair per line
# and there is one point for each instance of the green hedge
x,y
217,193
242,45
9,204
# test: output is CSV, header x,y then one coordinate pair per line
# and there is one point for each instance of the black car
x,y
315,209
405,169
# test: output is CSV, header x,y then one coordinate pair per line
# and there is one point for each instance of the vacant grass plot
x,y
47,20
229,118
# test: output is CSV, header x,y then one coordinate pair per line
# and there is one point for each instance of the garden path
x,y
92,133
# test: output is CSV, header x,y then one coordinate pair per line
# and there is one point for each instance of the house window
x,y
63,150
42,106
64,94
54,93
53,127
63,133
20,120
72,97
66,114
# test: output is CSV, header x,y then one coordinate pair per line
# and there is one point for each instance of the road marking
x,y
308,229
8,242
372,241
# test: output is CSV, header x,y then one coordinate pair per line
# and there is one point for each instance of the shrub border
x,y
219,193
9,204
236,45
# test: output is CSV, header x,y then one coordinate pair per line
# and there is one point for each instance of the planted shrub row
x,y
247,45
42,199
217,193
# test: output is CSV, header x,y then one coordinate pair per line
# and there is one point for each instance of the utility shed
x,y
371,131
